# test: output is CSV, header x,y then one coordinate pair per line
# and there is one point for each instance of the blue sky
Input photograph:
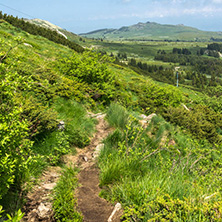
x,y
81,16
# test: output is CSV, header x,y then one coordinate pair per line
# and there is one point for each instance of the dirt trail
x,y
93,208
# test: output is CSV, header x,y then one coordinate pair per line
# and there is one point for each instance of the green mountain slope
x,y
42,83
153,31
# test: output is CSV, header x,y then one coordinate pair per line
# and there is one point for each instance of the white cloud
x,y
205,11
165,9
217,1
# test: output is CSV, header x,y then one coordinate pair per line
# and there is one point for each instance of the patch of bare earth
x,y
93,207
39,202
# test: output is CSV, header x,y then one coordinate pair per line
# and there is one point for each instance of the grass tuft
x,y
117,116
64,202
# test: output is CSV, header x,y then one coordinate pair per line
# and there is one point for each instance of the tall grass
x,y
159,181
64,201
78,127
117,116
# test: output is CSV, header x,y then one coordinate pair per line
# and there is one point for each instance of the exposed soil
x,y
38,206
93,207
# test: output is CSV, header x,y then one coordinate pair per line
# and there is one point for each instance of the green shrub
x,y
164,208
91,69
201,122
154,98
53,146
14,143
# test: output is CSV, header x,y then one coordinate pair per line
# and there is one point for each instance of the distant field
x,y
144,50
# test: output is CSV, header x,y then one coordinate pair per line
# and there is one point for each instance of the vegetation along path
x,y
92,207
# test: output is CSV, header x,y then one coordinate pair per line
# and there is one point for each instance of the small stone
x,y
61,125
85,158
32,216
116,209
98,150
143,116
44,212
101,116
150,116
172,143
54,175
143,122
26,44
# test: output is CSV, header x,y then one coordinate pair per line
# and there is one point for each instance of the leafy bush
x,y
53,146
41,118
202,122
14,142
90,68
164,208
154,98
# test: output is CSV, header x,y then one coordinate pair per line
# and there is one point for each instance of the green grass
x,y
143,50
117,116
64,201
154,180
135,170
52,147
78,127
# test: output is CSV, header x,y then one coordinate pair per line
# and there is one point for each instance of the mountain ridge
x,y
153,31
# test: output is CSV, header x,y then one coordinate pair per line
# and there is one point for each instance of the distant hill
x,y
154,31
46,24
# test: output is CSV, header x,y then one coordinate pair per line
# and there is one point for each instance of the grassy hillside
x,y
153,31
175,165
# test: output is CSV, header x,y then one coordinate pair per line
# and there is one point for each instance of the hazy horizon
x,y
87,16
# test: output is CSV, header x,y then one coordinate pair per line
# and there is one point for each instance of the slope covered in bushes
x,y
43,84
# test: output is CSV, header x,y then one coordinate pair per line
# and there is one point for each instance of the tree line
x,y
37,30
